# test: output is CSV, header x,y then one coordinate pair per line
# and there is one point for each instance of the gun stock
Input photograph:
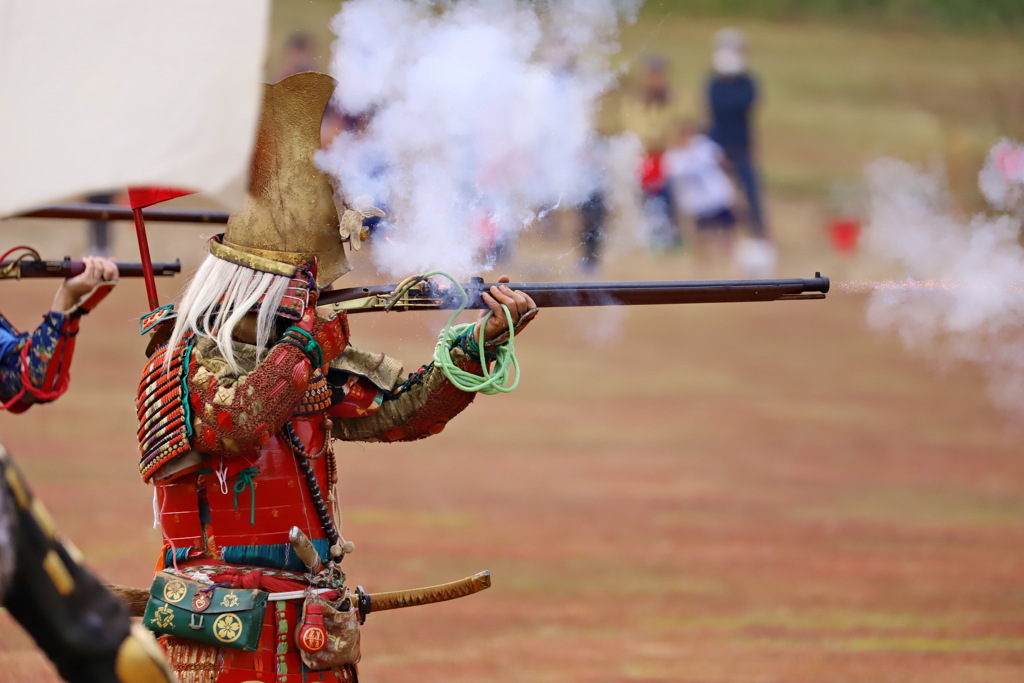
x,y
431,295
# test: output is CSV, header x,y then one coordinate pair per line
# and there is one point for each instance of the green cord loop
x,y
245,479
500,380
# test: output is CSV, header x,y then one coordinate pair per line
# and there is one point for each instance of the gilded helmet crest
x,y
290,216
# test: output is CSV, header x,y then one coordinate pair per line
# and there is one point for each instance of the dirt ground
x,y
735,493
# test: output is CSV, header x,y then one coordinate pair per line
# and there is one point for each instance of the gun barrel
x,y
557,294
25,268
435,295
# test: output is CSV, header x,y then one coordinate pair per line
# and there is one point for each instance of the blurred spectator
x,y
701,186
298,55
651,115
731,97
593,214
99,230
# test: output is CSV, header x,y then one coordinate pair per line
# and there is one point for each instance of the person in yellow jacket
x,y
651,114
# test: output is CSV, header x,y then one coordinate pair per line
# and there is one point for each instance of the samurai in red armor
x,y
246,389
83,628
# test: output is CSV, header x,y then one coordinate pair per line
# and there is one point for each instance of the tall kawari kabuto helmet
x,y
289,216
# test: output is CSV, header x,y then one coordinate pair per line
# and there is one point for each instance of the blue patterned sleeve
x,y
8,343
11,342
48,347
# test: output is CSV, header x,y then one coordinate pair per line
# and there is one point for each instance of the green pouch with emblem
x,y
226,617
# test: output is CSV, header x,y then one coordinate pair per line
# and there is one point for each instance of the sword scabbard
x,y
368,602
381,602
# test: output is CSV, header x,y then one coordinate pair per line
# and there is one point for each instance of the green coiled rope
x,y
503,379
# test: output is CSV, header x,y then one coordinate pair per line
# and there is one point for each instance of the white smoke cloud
x,y
963,299
483,118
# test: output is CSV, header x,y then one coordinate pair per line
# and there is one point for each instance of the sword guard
x,y
364,604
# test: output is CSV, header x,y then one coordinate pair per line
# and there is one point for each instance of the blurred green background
x,y
843,81
948,15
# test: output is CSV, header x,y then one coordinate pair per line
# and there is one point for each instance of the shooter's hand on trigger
x,y
97,270
518,304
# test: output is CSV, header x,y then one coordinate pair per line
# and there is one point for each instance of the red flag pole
x,y
139,198
147,261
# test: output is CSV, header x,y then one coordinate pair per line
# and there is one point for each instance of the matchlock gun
x,y
423,294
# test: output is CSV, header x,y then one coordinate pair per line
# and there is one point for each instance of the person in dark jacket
x,y
732,95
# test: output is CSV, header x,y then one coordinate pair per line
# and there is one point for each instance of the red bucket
x,y
845,233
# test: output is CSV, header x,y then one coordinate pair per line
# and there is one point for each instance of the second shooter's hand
x,y
97,270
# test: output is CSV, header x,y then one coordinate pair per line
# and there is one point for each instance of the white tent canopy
x,y
108,94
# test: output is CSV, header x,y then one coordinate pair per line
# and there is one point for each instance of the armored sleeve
x,y
397,410
44,357
238,412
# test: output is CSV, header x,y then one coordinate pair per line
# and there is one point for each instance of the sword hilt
x,y
381,602
304,549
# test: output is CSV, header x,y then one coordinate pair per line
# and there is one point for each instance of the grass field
x,y
736,493
713,493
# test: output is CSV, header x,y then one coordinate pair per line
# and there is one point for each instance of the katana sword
x,y
136,598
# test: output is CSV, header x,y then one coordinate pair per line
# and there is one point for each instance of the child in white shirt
x,y
702,188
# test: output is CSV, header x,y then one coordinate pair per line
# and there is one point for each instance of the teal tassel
x,y
245,478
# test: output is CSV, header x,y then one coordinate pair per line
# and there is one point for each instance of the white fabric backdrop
x,y
103,94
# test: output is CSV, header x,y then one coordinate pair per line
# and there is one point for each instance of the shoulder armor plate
x,y
165,422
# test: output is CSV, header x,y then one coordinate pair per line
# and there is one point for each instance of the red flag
x,y
141,197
